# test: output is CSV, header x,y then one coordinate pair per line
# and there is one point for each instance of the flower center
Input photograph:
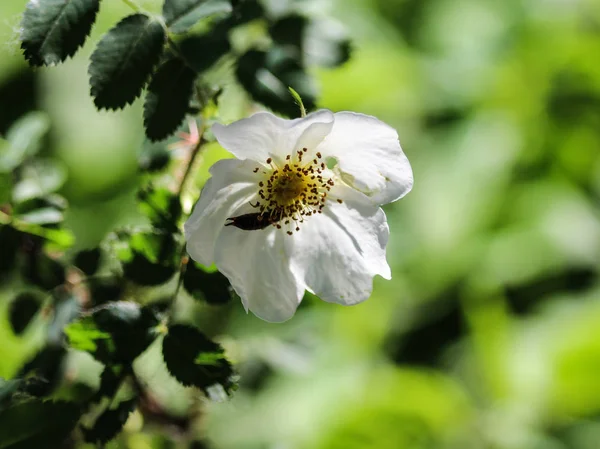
x,y
296,190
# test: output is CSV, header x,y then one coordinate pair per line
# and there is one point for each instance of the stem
x,y
193,155
133,5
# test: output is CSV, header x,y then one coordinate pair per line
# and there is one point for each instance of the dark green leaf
x,y
110,422
315,42
267,76
181,15
193,359
37,424
44,371
23,140
39,178
22,309
168,99
150,258
10,240
161,206
214,288
154,156
105,290
88,260
116,333
124,59
7,389
43,271
53,30
201,52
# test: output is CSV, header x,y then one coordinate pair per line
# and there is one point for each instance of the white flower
x,y
302,201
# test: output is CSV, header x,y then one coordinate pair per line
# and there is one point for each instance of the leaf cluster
x,y
169,55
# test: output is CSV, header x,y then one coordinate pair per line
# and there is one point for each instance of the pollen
x,y
293,189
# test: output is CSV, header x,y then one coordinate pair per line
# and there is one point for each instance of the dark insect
x,y
250,222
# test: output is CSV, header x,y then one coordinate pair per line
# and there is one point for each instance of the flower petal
x,y
338,252
369,156
264,135
257,265
231,187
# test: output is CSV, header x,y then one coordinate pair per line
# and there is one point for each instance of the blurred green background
x,y
488,334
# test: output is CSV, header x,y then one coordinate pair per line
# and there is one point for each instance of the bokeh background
x,y
488,334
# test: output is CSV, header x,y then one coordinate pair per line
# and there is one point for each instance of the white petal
x,y
231,187
257,265
264,135
369,156
338,252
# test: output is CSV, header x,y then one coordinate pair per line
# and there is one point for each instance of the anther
x,y
256,170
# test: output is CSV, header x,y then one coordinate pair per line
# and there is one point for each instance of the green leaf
x,y
161,206
39,178
53,30
88,260
181,15
150,258
153,157
23,140
115,333
44,371
124,59
5,187
201,52
42,270
322,42
43,216
168,99
214,288
193,359
267,75
110,422
37,424
22,309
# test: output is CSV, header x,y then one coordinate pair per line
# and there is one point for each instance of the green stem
x,y
133,5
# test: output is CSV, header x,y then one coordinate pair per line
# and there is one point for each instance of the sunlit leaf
x,y
46,215
53,30
39,178
110,422
23,140
181,15
193,359
150,258
123,61
213,288
115,333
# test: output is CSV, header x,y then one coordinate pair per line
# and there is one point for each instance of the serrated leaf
x,y
150,258
124,59
116,333
181,15
53,30
110,422
168,99
193,359
22,309
214,288
37,424
266,76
